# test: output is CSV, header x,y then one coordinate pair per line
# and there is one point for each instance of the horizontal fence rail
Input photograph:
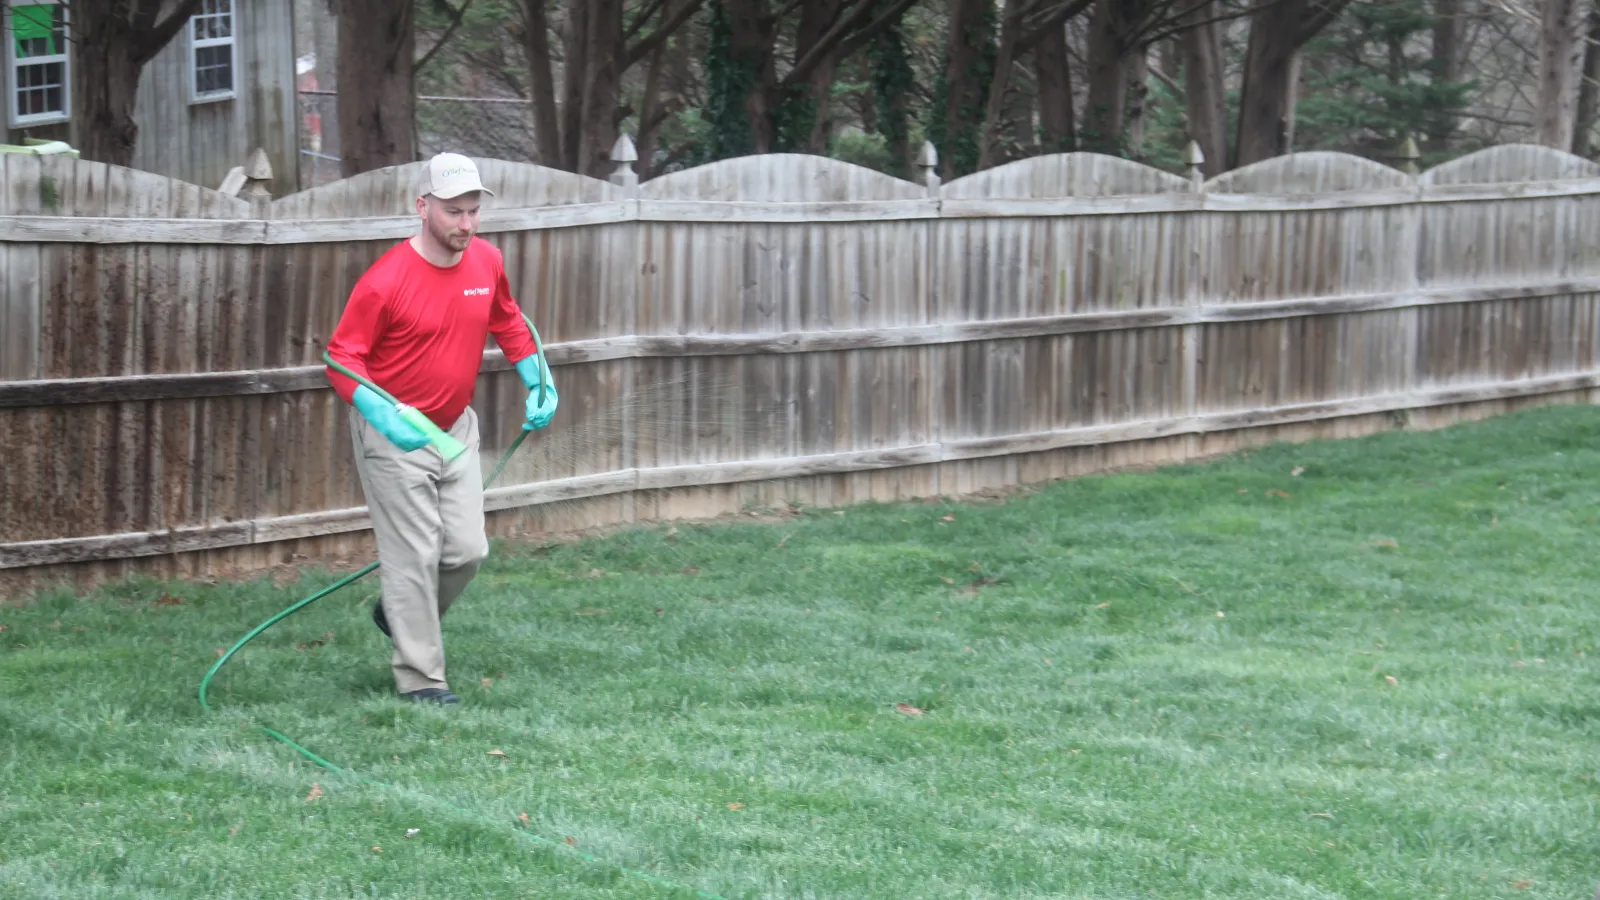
x,y
763,328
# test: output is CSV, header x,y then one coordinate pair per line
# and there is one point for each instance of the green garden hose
x,y
447,447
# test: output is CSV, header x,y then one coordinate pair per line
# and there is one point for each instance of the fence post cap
x,y
623,156
623,150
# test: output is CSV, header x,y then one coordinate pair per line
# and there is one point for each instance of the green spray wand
x,y
448,447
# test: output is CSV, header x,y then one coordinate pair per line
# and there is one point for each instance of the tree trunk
x,y
1011,26
968,69
1588,90
542,84
1058,131
816,16
574,66
1560,56
377,95
105,85
1104,115
750,53
651,114
892,80
1266,101
1205,98
1446,69
1138,95
111,42
602,80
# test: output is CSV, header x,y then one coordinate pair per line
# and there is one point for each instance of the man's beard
x,y
447,237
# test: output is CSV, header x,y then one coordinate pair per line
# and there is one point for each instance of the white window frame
x,y
196,45
13,83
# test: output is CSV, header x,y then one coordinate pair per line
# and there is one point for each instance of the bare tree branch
x,y
673,23
861,38
644,15
153,38
829,42
1055,18
457,15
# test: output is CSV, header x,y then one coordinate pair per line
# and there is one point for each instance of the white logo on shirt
x,y
476,292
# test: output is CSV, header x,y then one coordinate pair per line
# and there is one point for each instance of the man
x,y
416,326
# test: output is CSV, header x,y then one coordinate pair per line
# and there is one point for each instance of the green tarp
x,y
32,23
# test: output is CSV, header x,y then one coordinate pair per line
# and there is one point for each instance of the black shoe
x,y
379,619
432,695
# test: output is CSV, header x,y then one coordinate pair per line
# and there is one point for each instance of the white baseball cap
x,y
450,175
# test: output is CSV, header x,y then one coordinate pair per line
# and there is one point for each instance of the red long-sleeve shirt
x,y
418,330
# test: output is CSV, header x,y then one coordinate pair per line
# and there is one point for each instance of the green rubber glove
x,y
535,372
383,416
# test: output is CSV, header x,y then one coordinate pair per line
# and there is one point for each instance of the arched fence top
x,y
1511,163
391,190
780,178
68,186
1312,172
1063,175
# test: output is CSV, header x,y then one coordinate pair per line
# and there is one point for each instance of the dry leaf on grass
x,y
486,682
522,817
316,793
907,709
1297,471
376,849
499,753
571,841
1105,605
411,833
1393,681
949,518
1274,492
736,806
973,588
1220,614
169,600
591,611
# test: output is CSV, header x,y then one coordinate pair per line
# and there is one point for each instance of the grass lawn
x,y
1360,670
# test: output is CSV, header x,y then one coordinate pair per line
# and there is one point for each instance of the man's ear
x,y
422,206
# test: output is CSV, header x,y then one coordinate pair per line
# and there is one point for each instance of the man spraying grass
x,y
416,326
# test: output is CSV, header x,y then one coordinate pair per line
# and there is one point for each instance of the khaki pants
x,y
428,520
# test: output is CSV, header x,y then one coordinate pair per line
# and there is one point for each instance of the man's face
x,y
453,222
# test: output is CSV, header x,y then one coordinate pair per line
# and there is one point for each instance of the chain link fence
x,y
485,127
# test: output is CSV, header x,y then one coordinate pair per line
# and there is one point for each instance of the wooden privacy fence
x,y
764,329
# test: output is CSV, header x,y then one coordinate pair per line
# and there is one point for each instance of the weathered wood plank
x,y
135,544
48,392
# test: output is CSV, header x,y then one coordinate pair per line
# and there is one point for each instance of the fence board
x,y
766,329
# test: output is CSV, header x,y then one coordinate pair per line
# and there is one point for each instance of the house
x,y
223,87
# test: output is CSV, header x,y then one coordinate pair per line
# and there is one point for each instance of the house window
x,y
37,57
211,56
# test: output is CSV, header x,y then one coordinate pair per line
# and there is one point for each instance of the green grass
x,y
1170,684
